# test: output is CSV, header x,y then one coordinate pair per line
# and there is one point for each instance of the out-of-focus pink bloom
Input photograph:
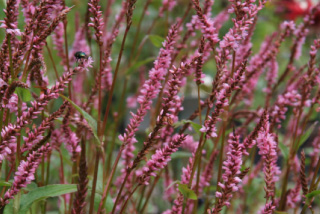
x,y
294,196
25,173
268,150
268,208
290,98
167,5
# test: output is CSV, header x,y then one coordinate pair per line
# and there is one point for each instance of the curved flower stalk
x,y
245,14
222,100
251,139
25,173
10,21
10,24
38,41
97,20
167,111
150,88
290,98
149,91
35,136
231,175
167,5
9,132
268,150
207,25
28,10
160,159
257,63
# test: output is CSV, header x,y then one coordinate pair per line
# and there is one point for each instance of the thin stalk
x,y
73,181
114,79
120,191
62,175
47,177
53,64
138,30
117,122
108,185
141,197
315,173
94,182
150,192
65,22
199,162
129,196
291,156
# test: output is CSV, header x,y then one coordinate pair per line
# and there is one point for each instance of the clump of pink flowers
x,y
175,108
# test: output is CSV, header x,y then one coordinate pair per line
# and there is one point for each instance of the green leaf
x,y
5,183
92,122
284,150
306,135
156,40
173,183
186,192
313,194
137,65
24,94
39,194
181,154
194,125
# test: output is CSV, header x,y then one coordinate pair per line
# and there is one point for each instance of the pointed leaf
x,y
156,40
313,194
41,193
92,122
284,150
186,192
5,183
306,135
137,65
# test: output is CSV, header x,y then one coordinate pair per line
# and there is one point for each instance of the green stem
x,y
150,192
94,182
53,64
